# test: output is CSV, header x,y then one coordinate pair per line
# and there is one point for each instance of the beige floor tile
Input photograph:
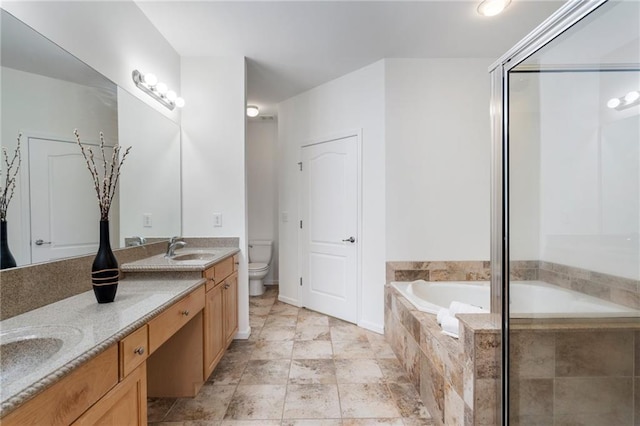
x,y
264,349
281,321
418,422
312,371
275,333
367,401
312,402
256,402
382,349
282,308
312,332
228,372
312,349
266,372
239,350
157,408
372,422
358,371
257,321
210,404
349,349
312,422
259,310
250,423
348,332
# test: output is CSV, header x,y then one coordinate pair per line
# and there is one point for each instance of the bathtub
x,y
529,299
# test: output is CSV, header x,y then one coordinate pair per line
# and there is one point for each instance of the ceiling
x,y
293,46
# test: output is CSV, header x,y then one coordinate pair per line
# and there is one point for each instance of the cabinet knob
x,y
139,350
185,313
226,286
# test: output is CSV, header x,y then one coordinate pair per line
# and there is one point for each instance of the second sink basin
x,y
199,255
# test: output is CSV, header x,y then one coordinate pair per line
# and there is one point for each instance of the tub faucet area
x,y
174,243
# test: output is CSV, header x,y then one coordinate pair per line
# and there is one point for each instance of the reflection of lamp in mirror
x,y
149,84
630,99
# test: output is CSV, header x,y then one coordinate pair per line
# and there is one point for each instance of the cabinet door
x,y
214,338
230,307
124,405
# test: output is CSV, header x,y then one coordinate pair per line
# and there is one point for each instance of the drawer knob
x,y
185,312
139,350
226,286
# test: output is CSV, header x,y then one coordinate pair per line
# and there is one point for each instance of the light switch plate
x,y
217,220
285,217
147,222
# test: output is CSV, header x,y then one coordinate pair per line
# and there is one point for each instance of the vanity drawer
x,y
134,349
218,272
162,327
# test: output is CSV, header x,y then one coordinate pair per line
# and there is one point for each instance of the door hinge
x,y
300,280
300,224
300,164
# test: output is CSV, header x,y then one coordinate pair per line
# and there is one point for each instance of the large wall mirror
x,y
46,94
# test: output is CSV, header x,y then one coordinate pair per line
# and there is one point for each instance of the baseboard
x,y
288,300
377,328
243,335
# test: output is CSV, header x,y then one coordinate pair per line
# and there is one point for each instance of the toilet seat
x,y
257,267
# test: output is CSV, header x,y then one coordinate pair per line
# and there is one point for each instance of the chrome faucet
x,y
137,241
174,243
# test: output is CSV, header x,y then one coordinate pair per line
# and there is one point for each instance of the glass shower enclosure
x,y
566,218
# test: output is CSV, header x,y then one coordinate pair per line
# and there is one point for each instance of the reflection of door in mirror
x,y
64,205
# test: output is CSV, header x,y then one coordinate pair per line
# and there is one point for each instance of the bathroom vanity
x,y
96,364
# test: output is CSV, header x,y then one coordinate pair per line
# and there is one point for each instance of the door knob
x,y
41,242
350,240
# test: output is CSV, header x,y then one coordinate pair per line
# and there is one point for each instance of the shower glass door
x,y
572,224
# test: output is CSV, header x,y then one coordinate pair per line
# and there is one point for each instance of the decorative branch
x,y
105,184
8,189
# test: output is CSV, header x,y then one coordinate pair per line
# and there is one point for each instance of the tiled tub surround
x,y
95,328
457,379
30,287
459,270
575,373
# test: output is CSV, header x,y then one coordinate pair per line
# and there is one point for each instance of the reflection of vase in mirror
x,y
6,258
104,271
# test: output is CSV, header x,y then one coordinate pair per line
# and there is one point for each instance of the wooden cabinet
x,y
134,350
220,312
230,307
125,404
67,399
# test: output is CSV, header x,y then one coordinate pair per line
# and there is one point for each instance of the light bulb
x,y
631,97
162,88
613,103
179,102
171,95
252,111
150,79
492,7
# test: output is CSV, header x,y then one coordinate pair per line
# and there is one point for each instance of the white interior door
x,y
64,204
329,227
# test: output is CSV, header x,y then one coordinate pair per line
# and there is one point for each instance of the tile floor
x,y
299,368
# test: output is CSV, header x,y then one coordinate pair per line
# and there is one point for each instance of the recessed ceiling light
x,y
252,111
492,7
613,103
632,96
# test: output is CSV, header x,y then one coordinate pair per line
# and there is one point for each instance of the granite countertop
x,y
159,262
75,330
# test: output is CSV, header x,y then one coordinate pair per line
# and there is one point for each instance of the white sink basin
x,y
202,256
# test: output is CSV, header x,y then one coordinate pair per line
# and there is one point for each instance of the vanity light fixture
x,y
630,99
492,7
159,91
252,111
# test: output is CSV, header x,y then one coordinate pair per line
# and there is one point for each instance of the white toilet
x,y
259,259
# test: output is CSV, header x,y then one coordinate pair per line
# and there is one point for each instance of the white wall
x,y
213,157
30,104
262,186
437,159
354,101
113,37
150,180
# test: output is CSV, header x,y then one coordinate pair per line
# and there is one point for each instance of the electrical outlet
x,y
147,222
217,220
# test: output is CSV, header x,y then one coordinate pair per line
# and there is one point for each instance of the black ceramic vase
x,y
104,271
6,258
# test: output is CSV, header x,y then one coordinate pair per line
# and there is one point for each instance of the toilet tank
x,y
260,251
